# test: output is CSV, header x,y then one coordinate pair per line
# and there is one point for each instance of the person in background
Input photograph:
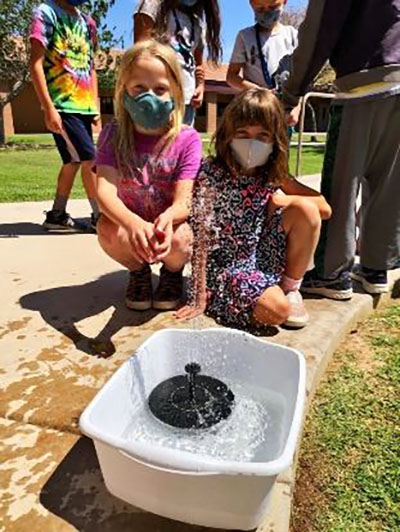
x,y
262,55
63,43
187,25
362,42
146,165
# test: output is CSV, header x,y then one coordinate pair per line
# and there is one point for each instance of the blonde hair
x,y
250,108
125,139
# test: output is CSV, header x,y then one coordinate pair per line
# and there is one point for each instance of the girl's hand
x,y
141,234
192,310
163,231
53,120
197,99
281,200
293,116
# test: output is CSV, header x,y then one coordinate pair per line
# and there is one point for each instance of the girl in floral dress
x,y
256,228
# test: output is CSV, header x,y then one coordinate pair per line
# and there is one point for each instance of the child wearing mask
x,y
146,166
252,245
187,25
262,53
63,42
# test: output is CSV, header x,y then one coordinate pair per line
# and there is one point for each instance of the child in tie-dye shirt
x,y
63,42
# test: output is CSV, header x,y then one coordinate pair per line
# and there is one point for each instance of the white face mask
x,y
251,153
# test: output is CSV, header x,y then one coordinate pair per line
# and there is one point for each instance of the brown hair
x,y
125,139
204,9
254,107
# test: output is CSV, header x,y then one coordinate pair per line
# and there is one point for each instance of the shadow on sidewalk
x,y
16,229
63,307
76,493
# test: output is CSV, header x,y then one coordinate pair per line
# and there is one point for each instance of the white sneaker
x,y
298,315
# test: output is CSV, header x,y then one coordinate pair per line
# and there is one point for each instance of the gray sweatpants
x,y
363,147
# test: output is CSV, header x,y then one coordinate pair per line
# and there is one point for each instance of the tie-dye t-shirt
x,y
70,42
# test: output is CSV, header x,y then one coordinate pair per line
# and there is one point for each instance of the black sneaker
x,y
373,281
62,221
138,292
169,291
339,288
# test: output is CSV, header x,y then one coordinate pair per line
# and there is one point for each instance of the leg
x,y
380,221
181,248
115,242
170,288
344,166
65,182
302,224
272,307
89,180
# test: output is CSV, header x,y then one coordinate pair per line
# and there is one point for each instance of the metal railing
x,y
324,95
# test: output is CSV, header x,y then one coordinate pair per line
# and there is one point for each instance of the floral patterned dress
x,y
246,249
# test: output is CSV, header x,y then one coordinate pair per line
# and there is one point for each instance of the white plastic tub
x,y
178,484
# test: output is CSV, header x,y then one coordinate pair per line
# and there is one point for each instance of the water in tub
x,y
252,433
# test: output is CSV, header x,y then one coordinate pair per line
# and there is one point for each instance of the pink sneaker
x,y
298,315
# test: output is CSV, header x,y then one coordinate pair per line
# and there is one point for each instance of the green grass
x,y
42,138
349,466
30,174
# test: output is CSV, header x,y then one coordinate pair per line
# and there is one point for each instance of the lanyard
x,y
179,32
267,77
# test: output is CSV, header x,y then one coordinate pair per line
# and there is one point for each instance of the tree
x,y
293,17
15,17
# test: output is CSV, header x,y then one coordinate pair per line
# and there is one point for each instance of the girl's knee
x,y
272,308
304,210
182,239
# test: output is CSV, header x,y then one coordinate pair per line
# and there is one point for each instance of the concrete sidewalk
x,y
64,331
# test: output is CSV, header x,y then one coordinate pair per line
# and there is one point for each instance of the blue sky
x,y
233,19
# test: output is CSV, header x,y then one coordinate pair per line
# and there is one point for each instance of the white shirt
x,y
277,49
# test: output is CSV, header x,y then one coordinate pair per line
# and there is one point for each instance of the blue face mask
x,y
188,3
148,110
266,19
76,3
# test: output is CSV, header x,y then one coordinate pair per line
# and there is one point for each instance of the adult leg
x,y
380,228
344,166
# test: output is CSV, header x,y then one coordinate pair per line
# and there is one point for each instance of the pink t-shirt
x,y
148,188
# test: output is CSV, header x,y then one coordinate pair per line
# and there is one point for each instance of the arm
x,y
318,36
198,95
51,116
236,63
143,26
294,188
236,81
140,232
